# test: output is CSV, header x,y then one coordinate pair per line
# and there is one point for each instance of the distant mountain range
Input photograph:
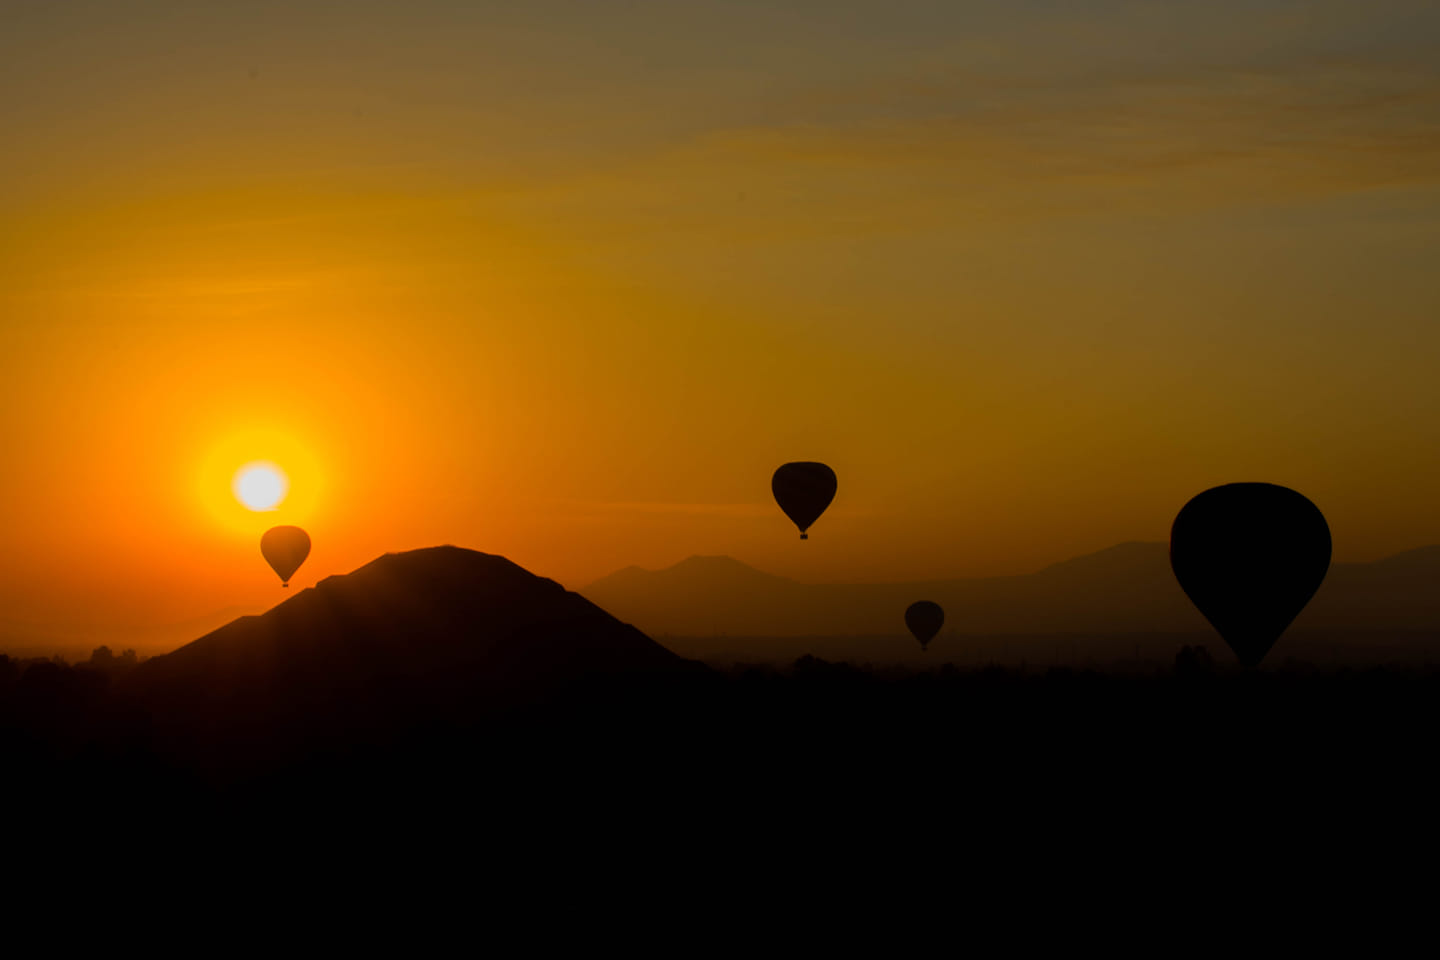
x,y
1125,594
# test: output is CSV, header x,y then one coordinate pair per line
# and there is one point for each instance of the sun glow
x,y
260,485
242,505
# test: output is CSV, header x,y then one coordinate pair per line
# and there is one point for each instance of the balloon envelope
x,y
803,490
1250,556
924,620
285,548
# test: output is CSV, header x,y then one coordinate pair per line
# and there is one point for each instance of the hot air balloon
x,y
285,548
924,620
1250,556
803,491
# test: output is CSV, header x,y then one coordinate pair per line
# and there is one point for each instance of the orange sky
x,y
568,286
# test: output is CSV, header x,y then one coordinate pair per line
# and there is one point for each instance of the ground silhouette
x,y
450,686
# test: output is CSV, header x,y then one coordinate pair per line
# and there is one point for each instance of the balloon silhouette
x,y
803,491
1250,556
285,548
924,620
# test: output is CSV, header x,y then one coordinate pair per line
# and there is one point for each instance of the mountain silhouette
x,y
444,637
1114,603
1128,586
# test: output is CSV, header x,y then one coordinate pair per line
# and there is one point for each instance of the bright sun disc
x,y
260,486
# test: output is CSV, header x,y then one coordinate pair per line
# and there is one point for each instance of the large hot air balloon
x,y
803,491
1250,556
285,548
924,620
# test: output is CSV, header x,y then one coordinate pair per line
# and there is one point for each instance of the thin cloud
x,y
737,510
1172,141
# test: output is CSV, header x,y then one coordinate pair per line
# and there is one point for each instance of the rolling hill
x,y
440,637
1119,602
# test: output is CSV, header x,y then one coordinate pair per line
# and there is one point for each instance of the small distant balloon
x,y
924,619
803,490
1250,556
285,548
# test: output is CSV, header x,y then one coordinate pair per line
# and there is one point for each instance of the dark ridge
x,y
435,637
1122,602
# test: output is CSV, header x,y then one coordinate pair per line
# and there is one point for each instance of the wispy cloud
x,y
736,510
996,146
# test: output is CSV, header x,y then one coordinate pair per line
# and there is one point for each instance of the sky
x,y
566,281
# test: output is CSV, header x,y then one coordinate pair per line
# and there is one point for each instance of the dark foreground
x,y
982,804
827,746
451,692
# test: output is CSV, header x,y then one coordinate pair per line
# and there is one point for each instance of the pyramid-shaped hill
x,y
443,633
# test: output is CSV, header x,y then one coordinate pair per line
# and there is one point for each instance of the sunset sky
x,y
566,281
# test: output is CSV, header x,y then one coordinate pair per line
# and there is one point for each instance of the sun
x,y
260,485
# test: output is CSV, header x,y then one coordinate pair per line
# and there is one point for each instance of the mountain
x,y
440,636
1399,593
1125,594
1128,587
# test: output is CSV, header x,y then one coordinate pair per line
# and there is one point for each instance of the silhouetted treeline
x,y
759,740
